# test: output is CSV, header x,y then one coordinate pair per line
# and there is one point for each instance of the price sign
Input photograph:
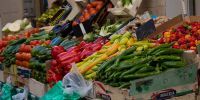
x,y
145,30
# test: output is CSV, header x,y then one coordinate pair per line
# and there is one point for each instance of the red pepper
x,y
57,50
85,53
57,69
54,62
82,44
75,49
96,47
77,58
67,68
68,61
65,56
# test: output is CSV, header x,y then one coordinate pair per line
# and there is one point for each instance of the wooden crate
x,y
11,70
13,77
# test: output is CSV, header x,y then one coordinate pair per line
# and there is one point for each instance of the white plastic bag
x,y
22,96
75,85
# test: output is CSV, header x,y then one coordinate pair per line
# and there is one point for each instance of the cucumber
x,y
146,69
136,62
168,58
125,85
170,51
116,63
156,49
105,64
174,64
133,70
128,51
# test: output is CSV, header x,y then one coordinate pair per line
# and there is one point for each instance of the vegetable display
x,y
61,64
11,50
23,56
186,36
90,10
17,25
115,46
136,63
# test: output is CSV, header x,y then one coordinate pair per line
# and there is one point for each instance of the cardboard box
x,y
110,93
168,84
37,88
176,21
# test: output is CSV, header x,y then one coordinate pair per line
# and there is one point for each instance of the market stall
x,y
99,55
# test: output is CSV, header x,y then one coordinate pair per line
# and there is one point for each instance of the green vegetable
x,y
146,69
39,34
133,69
125,85
89,37
16,42
157,49
174,64
56,41
168,58
136,62
42,37
169,51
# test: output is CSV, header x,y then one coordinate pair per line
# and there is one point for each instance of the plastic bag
x,y
22,96
55,93
6,91
75,86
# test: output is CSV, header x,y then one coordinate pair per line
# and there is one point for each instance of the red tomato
x,y
28,56
98,7
18,56
17,62
92,11
87,16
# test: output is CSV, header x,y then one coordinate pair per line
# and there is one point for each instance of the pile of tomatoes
x,y
90,10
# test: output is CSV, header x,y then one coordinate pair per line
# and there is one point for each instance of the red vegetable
x,y
57,50
54,63
65,56
67,61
